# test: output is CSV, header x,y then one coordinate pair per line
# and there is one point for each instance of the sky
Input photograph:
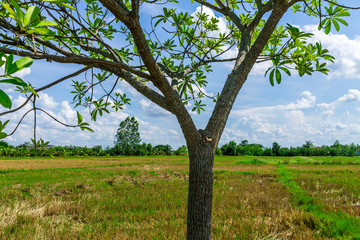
x,y
318,108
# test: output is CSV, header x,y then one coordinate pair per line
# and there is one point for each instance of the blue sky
x,y
319,108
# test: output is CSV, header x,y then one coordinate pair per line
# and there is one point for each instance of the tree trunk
x,y
200,191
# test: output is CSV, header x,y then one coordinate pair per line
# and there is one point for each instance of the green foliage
x,y
306,58
334,16
127,136
253,161
10,68
307,149
276,148
182,150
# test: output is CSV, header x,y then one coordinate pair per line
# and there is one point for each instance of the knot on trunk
x,y
204,137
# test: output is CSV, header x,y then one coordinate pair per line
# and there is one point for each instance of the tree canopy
x,y
127,136
167,60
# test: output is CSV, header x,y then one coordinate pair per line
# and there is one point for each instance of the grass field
x,y
146,197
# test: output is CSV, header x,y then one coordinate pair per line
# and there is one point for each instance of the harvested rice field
x,y
146,198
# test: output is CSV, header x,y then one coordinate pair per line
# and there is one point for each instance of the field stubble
x,y
145,198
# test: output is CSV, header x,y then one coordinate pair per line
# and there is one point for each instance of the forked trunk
x,y
200,191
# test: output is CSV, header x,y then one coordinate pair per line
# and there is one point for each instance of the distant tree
x,y
267,152
182,150
229,149
336,144
308,144
218,151
127,136
275,148
4,144
162,150
244,142
284,151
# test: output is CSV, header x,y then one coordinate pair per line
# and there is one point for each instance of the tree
x,y
275,149
167,60
229,149
127,136
182,150
244,142
308,144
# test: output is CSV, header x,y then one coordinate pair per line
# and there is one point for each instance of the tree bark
x,y
200,190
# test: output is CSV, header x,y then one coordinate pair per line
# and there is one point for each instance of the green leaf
x,y
336,25
87,128
31,14
93,114
45,23
3,135
287,71
79,117
28,88
3,125
22,63
15,81
271,77
9,63
9,9
328,27
341,21
19,13
41,30
5,100
61,2
278,76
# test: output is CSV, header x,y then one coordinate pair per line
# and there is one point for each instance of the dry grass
x,y
257,207
145,198
185,167
337,190
43,163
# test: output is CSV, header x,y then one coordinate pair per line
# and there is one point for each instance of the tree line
x,y
307,149
144,149
147,149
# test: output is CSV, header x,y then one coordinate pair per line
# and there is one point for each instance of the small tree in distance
x,y
127,136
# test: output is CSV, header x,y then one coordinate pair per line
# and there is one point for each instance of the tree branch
x,y
239,75
75,59
46,87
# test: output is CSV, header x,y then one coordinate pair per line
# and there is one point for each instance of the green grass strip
x,y
253,161
328,224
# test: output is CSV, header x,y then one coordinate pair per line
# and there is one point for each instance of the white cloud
x,y
260,68
47,101
345,50
152,110
23,73
307,101
353,95
158,132
294,123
